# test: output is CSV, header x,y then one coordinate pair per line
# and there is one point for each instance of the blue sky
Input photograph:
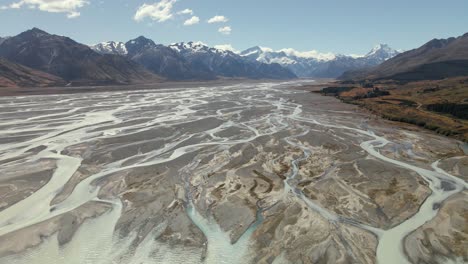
x,y
339,26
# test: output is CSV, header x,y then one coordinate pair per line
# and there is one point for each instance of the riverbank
x,y
439,106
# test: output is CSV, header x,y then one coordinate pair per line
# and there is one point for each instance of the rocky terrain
x,y
241,173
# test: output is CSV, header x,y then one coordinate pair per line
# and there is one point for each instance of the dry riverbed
x,y
236,173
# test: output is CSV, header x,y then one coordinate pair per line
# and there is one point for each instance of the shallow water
x,y
88,118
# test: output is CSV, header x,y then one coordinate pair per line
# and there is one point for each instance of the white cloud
x,y
192,21
73,14
266,49
186,12
160,11
70,7
309,54
227,47
225,30
218,19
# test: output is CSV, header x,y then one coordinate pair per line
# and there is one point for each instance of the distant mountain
x,y
2,39
228,64
15,75
437,59
379,54
162,60
193,61
76,63
314,64
110,47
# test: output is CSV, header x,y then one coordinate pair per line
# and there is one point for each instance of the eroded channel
x,y
247,173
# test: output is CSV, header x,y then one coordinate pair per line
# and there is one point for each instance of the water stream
x,y
96,241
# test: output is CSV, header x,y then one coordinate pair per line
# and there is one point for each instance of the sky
x,y
338,26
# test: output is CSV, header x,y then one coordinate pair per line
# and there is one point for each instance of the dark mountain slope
x,y
192,61
225,63
74,62
15,75
163,60
437,59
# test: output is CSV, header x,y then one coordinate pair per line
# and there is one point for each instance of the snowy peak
x,y
289,55
139,44
313,54
316,64
383,52
256,51
110,47
141,41
284,56
191,47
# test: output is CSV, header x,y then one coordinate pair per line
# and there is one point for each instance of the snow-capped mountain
x,y
226,63
284,56
316,64
192,60
110,47
162,60
382,51
187,48
73,62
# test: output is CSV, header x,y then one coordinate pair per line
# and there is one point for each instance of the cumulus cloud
x,y
159,11
218,19
70,7
192,21
186,12
227,47
225,30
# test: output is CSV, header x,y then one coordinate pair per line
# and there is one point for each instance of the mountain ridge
x,y
315,64
436,59
194,61
74,62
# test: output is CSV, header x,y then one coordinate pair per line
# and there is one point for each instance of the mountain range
x,y
37,58
212,62
316,65
437,59
73,62
192,60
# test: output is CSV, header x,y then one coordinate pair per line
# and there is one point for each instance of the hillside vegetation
x,y
440,106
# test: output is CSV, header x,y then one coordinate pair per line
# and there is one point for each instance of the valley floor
x,y
224,173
